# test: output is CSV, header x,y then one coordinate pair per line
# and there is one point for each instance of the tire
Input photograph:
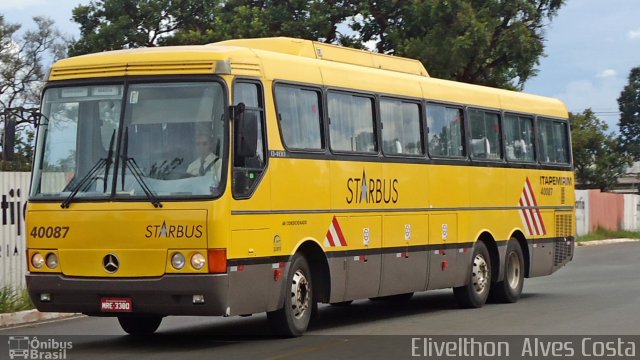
x,y
293,318
510,288
140,325
474,294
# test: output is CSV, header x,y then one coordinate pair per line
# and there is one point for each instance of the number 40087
x,y
55,232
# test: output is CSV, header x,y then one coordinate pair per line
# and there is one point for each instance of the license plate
x,y
116,305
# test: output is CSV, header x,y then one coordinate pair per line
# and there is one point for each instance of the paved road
x,y
597,294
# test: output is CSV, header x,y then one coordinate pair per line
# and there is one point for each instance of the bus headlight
x,y
198,261
52,261
177,261
37,260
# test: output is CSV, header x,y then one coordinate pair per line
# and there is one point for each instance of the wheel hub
x,y
513,270
480,274
300,294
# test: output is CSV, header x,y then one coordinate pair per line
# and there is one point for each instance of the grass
x,y
602,234
12,300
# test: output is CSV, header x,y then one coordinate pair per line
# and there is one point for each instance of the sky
x,y
591,46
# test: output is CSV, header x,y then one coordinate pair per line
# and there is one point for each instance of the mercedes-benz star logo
x,y
111,263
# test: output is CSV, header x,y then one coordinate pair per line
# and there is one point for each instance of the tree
x,y
494,42
22,66
597,155
629,105
117,24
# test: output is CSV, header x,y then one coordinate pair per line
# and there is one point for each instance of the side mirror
x,y
245,132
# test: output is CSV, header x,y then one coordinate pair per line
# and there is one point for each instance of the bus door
x,y
250,252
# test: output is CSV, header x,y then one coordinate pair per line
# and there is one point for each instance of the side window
x,y
485,135
351,123
249,145
445,126
401,133
553,141
299,117
519,138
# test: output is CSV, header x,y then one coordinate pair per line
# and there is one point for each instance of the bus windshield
x,y
145,140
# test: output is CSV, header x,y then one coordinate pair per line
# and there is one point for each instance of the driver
x,y
207,161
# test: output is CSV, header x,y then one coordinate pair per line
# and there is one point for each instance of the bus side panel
x,y
252,285
405,255
363,268
443,241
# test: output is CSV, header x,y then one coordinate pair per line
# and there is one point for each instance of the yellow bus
x,y
270,175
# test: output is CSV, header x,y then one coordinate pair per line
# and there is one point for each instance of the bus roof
x,y
303,61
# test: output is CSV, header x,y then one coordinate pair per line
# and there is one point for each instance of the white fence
x,y
14,191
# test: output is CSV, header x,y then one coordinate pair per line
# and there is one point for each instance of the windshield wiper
x,y
103,162
130,163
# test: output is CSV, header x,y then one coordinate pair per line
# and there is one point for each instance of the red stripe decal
x,y
524,214
330,239
530,204
336,225
535,203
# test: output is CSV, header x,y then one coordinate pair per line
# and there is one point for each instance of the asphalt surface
x,y
596,294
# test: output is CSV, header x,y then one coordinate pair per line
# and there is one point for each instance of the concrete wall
x,y
582,212
631,213
606,210
14,191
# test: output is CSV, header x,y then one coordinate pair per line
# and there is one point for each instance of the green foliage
x,y
494,42
12,300
604,234
597,155
22,73
629,105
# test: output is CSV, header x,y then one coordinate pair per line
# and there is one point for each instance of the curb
x,y
27,317
606,242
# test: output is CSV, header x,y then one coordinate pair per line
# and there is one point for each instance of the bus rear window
x,y
553,141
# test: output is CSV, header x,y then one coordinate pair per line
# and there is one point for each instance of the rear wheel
x,y
510,288
293,318
140,325
474,294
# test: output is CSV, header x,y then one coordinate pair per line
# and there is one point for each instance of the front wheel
x,y
510,288
293,318
474,294
140,325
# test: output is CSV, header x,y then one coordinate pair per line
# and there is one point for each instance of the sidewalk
x,y
31,317
605,242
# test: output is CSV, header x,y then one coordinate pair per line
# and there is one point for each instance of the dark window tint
x,y
299,115
553,141
519,138
485,135
351,123
400,127
445,131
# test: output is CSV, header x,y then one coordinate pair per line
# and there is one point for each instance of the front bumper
x,y
165,295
